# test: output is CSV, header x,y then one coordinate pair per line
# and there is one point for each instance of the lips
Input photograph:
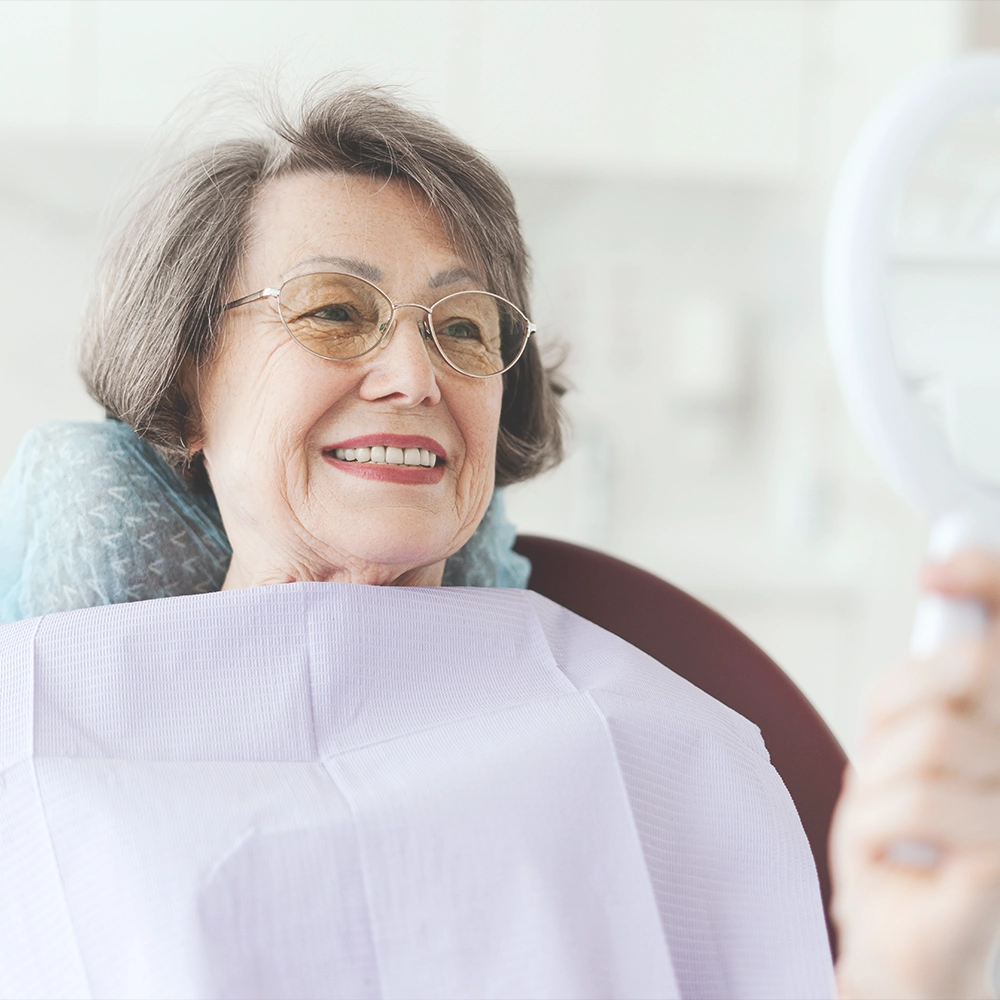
x,y
401,441
399,458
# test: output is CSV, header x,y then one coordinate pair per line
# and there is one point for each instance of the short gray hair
x,y
173,261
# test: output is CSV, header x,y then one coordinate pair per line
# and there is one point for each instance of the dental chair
x,y
701,646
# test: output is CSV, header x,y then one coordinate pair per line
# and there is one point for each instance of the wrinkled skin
x,y
268,408
928,771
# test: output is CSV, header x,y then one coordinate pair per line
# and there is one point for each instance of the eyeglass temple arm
x,y
264,293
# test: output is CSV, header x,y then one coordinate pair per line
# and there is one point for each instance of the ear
x,y
194,444
187,385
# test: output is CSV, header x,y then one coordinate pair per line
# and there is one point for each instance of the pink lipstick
x,y
397,458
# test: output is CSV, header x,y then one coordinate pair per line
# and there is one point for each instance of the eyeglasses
x,y
341,317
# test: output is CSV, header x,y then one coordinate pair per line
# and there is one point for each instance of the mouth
x,y
390,457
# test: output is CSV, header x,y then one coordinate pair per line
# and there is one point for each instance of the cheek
x,y
244,418
477,413
262,409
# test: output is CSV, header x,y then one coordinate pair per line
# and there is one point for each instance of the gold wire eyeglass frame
x,y
426,326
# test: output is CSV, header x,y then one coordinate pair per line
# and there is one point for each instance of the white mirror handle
x,y
940,620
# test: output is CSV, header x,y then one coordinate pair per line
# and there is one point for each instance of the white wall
x,y
673,163
567,85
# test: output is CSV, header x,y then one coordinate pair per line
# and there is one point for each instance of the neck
x,y
241,576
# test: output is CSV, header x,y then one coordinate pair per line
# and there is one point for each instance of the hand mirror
x,y
912,292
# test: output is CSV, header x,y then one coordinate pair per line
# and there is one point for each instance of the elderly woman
x,y
325,789
320,335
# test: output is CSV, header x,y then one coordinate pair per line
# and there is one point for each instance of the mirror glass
x,y
942,293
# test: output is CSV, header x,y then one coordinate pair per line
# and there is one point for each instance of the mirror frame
x,y
872,183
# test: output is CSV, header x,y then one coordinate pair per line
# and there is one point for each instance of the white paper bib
x,y
320,790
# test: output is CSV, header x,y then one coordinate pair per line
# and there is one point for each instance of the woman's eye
x,y
460,329
334,314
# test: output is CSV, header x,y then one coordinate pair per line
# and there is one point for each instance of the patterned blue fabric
x,y
90,515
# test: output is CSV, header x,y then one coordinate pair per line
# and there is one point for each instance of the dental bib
x,y
327,790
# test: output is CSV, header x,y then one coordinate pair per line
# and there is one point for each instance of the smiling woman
x,y
283,781
391,252
180,255
272,416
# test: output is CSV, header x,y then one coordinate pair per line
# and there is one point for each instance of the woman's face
x,y
272,415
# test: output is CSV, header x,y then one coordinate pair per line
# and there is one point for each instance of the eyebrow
x,y
452,276
350,265
361,268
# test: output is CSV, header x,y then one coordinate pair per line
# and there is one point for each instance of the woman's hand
x,y
928,777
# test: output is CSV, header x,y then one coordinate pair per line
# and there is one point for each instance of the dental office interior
x,y
673,163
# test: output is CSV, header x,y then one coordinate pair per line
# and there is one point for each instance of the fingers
x,y
906,934
963,679
929,768
942,812
928,742
965,675
973,574
928,778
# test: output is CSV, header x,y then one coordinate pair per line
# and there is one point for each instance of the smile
x,y
387,454
394,458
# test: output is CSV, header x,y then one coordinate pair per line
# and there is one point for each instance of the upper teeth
x,y
380,455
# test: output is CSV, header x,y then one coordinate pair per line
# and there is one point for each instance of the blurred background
x,y
673,164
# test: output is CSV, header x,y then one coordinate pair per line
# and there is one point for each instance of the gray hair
x,y
173,262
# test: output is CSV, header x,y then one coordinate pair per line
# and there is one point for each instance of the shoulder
x,y
87,439
90,514
702,765
631,683
730,866
68,463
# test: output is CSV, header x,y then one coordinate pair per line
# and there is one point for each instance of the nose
x,y
401,372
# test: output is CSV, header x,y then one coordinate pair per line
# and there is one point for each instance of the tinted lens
x,y
334,315
479,333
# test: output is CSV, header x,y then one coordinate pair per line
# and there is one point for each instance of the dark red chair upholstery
x,y
701,646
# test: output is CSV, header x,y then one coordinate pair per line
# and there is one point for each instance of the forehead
x,y
310,216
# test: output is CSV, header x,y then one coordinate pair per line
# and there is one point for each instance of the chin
x,y
398,541
402,559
